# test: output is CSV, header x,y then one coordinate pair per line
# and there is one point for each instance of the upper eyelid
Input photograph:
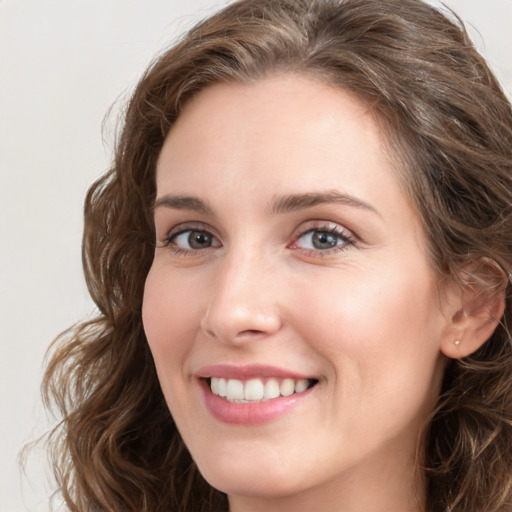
x,y
303,228
189,226
341,234
169,239
164,240
322,225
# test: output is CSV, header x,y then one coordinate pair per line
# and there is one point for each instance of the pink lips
x,y
246,372
248,413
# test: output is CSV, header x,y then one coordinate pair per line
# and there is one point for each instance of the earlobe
x,y
477,310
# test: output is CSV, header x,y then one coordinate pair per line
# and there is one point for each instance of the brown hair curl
x,y
450,126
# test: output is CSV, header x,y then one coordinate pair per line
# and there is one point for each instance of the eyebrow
x,y
278,205
183,203
294,202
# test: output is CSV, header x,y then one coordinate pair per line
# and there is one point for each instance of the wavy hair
x,y
448,123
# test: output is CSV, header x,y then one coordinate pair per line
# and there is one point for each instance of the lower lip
x,y
249,413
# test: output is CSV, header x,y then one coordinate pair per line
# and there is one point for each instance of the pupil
x,y
199,240
323,240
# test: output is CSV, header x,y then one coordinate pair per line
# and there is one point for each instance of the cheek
x,y
170,301
380,333
171,316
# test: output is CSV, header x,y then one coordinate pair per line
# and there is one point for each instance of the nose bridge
x,y
243,304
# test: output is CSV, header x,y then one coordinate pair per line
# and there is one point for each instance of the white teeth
x,y
301,385
287,387
255,390
235,390
271,389
222,386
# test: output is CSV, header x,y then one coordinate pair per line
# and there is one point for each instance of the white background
x,y
63,63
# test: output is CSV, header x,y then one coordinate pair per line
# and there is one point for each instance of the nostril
x,y
233,322
248,335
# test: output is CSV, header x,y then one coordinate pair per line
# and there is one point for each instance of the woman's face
x,y
289,260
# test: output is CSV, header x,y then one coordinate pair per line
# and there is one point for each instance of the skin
x,y
364,317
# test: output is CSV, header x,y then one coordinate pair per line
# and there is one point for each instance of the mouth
x,y
256,390
253,394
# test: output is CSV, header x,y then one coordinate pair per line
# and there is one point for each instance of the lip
x,y
256,413
246,372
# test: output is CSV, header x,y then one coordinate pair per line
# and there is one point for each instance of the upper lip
x,y
245,372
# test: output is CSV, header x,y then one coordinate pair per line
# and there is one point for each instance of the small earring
x,y
457,342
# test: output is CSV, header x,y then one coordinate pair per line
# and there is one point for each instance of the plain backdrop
x,y
63,63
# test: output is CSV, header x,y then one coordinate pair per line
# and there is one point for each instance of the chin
x,y
245,478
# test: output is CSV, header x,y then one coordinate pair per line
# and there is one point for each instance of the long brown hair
x,y
449,124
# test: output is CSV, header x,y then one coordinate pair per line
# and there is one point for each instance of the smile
x,y
252,394
257,389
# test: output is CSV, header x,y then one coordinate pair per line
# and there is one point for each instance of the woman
x,y
301,258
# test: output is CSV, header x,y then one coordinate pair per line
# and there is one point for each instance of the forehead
x,y
279,111
288,133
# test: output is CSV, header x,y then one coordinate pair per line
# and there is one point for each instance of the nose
x,y
243,305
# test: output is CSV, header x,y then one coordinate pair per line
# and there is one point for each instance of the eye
x,y
190,240
323,239
320,240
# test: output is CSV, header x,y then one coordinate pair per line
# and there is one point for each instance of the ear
x,y
474,308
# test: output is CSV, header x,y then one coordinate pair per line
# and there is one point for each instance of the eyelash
x,y
342,234
169,240
332,229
